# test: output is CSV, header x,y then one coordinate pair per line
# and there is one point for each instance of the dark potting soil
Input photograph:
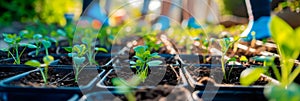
x,y
161,92
206,75
160,76
65,60
9,73
62,78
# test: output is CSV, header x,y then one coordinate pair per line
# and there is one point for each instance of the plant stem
x,y
223,65
43,75
17,55
294,74
47,52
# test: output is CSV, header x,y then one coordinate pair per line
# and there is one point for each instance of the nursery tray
x,y
228,96
22,96
101,84
216,86
13,90
177,94
12,70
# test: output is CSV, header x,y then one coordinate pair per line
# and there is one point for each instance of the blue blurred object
x,y
163,23
261,11
95,11
192,23
261,29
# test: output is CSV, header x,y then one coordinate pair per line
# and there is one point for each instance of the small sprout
x,y
14,42
44,71
243,59
143,56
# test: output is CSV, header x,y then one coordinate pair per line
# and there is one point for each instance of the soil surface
x,y
157,76
10,71
57,78
206,75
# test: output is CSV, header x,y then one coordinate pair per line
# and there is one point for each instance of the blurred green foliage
x,y
16,10
46,11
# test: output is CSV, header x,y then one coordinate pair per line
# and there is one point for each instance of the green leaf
x,y
155,55
101,49
280,93
154,63
68,49
250,75
37,36
140,49
243,58
72,54
61,32
281,32
33,63
46,44
8,40
28,45
48,59
4,49
132,62
78,60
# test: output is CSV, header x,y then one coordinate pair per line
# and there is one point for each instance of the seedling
x,y
143,56
288,51
42,67
14,42
226,44
79,56
150,40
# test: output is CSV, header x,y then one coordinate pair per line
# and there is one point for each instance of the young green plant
x,y
144,61
42,67
226,44
79,53
288,51
13,40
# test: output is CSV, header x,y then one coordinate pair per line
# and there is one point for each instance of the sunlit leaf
x,y
250,75
46,44
48,59
101,49
280,93
78,60
154,63
33,63
68,49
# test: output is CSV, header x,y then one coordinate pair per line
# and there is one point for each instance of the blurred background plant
x,y
45,11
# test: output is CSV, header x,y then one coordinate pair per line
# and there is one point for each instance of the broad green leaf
x,y
72,54
76,48
250,75
68,49
4,49
61,32
281,32
243,59
155,55
28,45
132,62
48,59
139,49
231,59
9,40
101,49
46,44
37,36
33,63
154,63
280,93
78,60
